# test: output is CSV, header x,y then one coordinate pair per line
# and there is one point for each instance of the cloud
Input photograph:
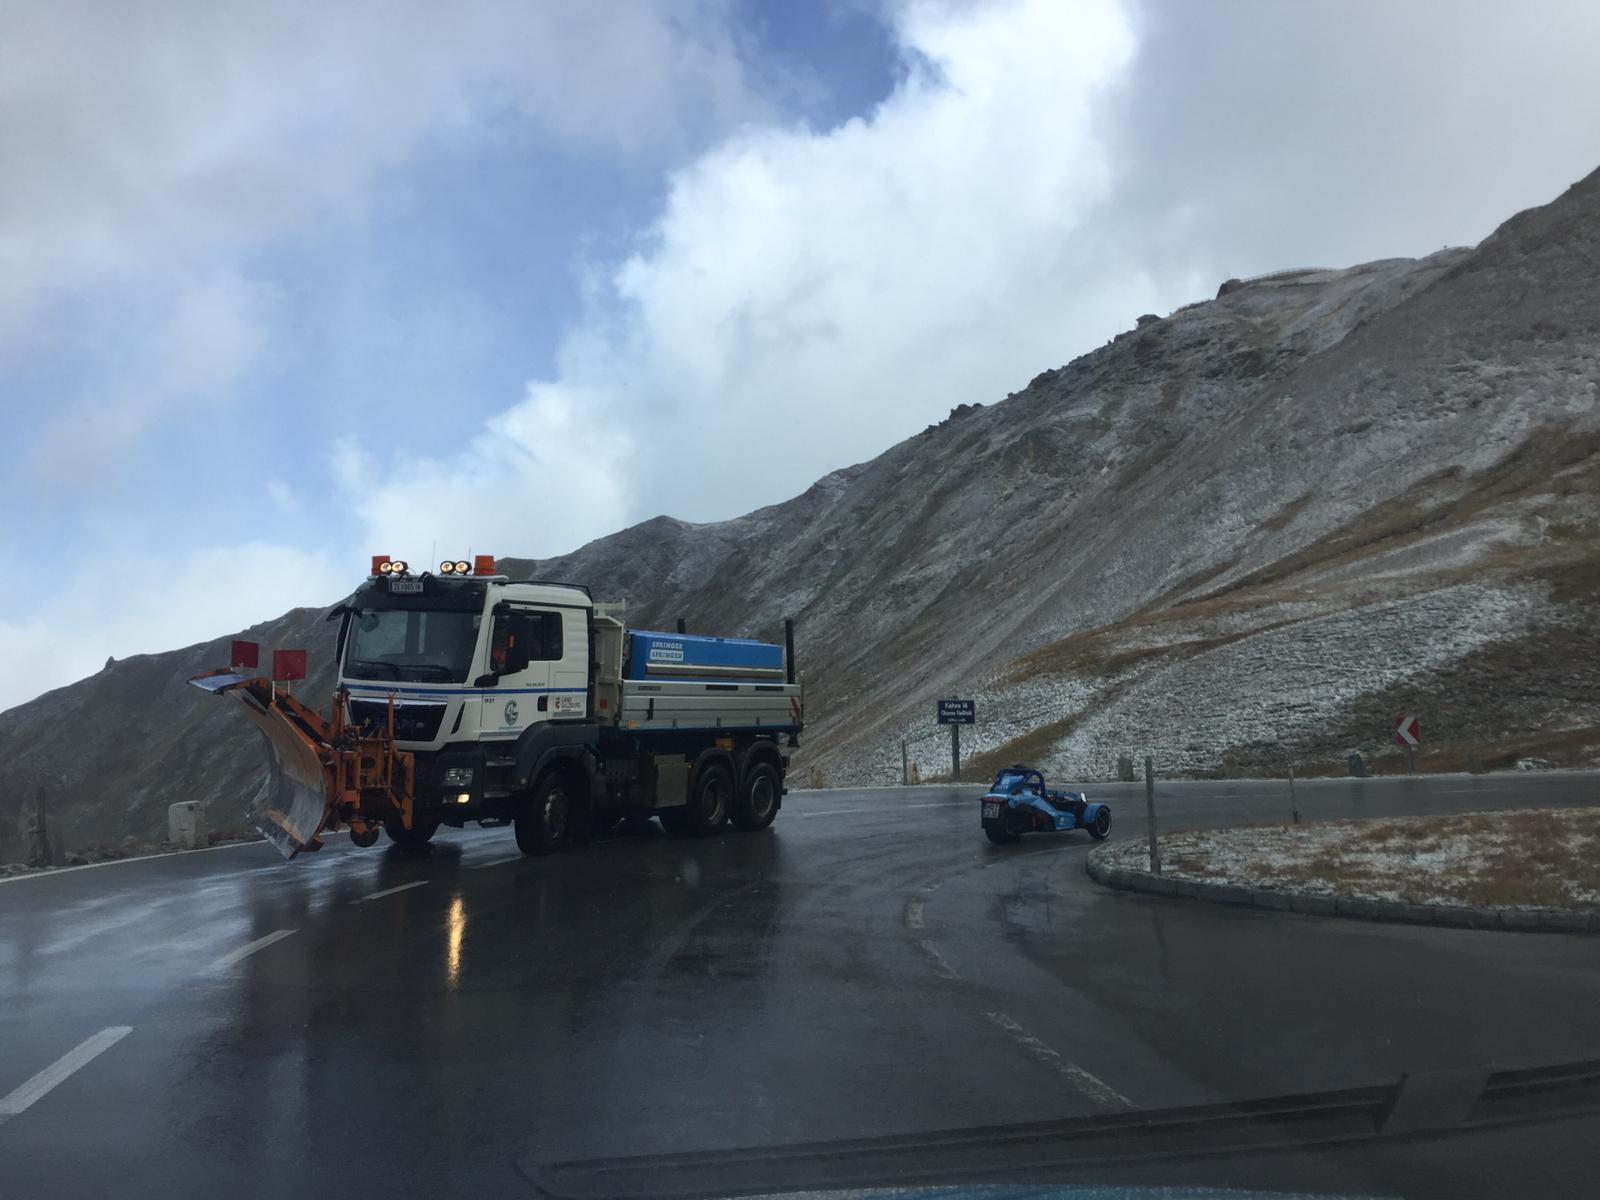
x,y
1262,136
807,297
136,132
186,357
159,604
553,466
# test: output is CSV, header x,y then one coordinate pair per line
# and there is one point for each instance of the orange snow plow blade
x,y
325,774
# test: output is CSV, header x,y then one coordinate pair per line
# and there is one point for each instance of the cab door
x,y
525,645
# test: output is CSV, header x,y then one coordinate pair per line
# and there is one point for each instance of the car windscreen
x,y
1009,781
411,644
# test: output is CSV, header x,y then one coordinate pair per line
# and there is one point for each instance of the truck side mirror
x,y
488,680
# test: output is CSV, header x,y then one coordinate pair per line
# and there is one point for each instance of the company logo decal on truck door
x,y
511,712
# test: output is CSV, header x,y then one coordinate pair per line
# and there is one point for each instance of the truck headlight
x,y
458,777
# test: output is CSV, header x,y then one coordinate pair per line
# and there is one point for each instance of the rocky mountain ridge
x,y
1237,537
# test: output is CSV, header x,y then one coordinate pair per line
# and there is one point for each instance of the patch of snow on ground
x,y
1411,860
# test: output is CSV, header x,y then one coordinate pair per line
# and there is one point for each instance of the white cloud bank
x,y
806,298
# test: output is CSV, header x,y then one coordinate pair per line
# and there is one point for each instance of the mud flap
x,y
295,807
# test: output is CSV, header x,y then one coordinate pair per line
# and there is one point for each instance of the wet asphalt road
x,y
455,1023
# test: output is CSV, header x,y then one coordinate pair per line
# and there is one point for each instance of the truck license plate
x,y
991,809
405,587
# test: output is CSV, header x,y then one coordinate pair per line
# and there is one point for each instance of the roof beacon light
x,y
483,564
398,567
380,564
447,567
463,567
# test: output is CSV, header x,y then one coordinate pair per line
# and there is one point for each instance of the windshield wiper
x,y
365,664
447,672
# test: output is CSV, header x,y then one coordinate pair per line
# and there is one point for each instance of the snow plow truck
x,y
463,695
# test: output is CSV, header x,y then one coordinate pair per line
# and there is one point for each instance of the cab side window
x,y
522,637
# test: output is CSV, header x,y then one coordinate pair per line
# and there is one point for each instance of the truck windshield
x,y
411,644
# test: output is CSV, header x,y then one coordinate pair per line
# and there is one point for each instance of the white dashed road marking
x,y
58,1071
1096,1089
932,952
839,812
498,862
390,891
261,943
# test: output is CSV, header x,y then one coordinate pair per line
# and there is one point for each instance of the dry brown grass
x,y
1545,858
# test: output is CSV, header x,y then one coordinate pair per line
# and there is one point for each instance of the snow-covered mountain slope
x,y
1240,536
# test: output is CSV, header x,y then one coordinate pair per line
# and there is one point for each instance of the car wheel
x,y
757,804
1100,827
1000,835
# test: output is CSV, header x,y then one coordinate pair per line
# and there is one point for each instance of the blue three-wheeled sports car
x,y
1019,803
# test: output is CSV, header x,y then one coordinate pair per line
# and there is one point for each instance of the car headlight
x,y
458,777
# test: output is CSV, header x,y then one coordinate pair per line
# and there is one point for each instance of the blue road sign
x,y
958,712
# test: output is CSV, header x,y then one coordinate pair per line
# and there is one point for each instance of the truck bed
x,y
698,705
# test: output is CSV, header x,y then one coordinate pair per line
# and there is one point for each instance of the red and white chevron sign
x,y
1407,731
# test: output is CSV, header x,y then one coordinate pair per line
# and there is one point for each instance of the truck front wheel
x,y
418,835
758,801
544,816
708,806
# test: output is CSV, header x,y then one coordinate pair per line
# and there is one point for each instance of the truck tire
x,y
413,838
757,802
710,799
545,815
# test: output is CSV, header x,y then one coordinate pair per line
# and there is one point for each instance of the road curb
x,y
1451,916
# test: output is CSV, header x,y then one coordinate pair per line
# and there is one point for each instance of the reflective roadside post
x,y
1150,812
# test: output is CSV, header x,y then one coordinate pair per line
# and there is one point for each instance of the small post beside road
x,y
956,713
1150,812
905,769
1294,807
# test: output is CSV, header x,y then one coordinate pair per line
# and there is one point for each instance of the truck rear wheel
x,y
757,803
418,835
544,816
708,806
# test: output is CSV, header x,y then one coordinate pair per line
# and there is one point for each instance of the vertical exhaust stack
x,y
788,649
683,626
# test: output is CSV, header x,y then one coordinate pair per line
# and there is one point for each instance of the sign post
x,y
956,713
1408,736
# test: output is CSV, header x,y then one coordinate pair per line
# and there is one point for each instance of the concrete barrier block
x,y
1523,920
1190,889
1262,898
1414,914
186,825
1367,910
1227,894
1315,906
1159,885
1566,922
1463,916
